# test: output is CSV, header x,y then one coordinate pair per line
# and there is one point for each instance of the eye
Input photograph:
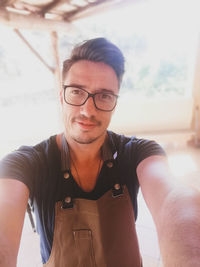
x,y
106,97
75,92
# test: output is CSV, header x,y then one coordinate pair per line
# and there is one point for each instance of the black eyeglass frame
x,y
89,95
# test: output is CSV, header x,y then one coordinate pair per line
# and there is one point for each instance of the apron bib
x,y
95,233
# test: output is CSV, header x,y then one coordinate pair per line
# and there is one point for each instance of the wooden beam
x,y
196,98
98,7
6,2
33,50
34,22
55,46
48,7
79,10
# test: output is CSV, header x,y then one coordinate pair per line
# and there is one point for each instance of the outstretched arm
x,y
175,210
13,202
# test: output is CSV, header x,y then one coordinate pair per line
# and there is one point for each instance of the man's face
x,y
86,124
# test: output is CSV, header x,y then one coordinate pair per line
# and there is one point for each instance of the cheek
x,y
106,118
65,113
69,112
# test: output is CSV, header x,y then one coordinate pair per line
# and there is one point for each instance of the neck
x,y
85,162
85,152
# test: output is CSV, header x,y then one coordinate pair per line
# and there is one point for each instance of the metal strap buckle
x,y
117,190
67,203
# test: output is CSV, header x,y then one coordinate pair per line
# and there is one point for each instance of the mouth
x,y
86,125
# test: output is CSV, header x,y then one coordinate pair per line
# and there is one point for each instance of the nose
x,y
88,109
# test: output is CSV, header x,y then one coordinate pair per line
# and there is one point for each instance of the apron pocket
x,y
84,248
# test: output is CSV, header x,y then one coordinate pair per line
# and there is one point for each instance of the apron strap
x,y
114,175
67,182
67,190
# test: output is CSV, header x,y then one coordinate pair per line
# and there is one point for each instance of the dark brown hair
x,y
97,50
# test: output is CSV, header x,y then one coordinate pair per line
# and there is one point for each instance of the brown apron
x,y
95,233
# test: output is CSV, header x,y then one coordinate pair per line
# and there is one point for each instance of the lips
x,y
86,125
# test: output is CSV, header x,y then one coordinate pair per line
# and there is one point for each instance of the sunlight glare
x,y
181,164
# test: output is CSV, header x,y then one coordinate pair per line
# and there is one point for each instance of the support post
x,y
55,46
195,125
33,50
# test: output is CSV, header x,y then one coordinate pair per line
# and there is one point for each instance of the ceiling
x,y
25,13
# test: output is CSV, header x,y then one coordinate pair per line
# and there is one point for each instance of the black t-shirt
x,y
39,167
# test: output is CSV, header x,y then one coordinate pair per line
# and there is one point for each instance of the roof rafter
x,y
97,7
34,22
53,15
49,6
6,2
70,14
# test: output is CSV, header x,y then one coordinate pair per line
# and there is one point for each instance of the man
x,y
83,184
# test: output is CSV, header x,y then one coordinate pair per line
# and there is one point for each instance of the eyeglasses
x,y
76,96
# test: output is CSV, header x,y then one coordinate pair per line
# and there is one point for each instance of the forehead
x,y
92,75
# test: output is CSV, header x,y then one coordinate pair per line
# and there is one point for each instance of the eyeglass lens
x,y
102,100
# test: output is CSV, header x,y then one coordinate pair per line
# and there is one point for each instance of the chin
x,y
86,138
85,141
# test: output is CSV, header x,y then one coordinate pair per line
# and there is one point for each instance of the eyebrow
x,y
85,88
75,85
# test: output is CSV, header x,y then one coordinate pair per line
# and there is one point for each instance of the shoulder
x,y
46,144
136,148
26,162
24,152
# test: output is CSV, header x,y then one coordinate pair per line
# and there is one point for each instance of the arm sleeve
x,y
147,148
20,165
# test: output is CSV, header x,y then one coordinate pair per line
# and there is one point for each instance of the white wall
x,y
156,114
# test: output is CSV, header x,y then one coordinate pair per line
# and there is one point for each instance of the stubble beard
x,y
87,140
81,139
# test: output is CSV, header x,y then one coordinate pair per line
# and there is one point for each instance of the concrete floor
x,y
185,165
